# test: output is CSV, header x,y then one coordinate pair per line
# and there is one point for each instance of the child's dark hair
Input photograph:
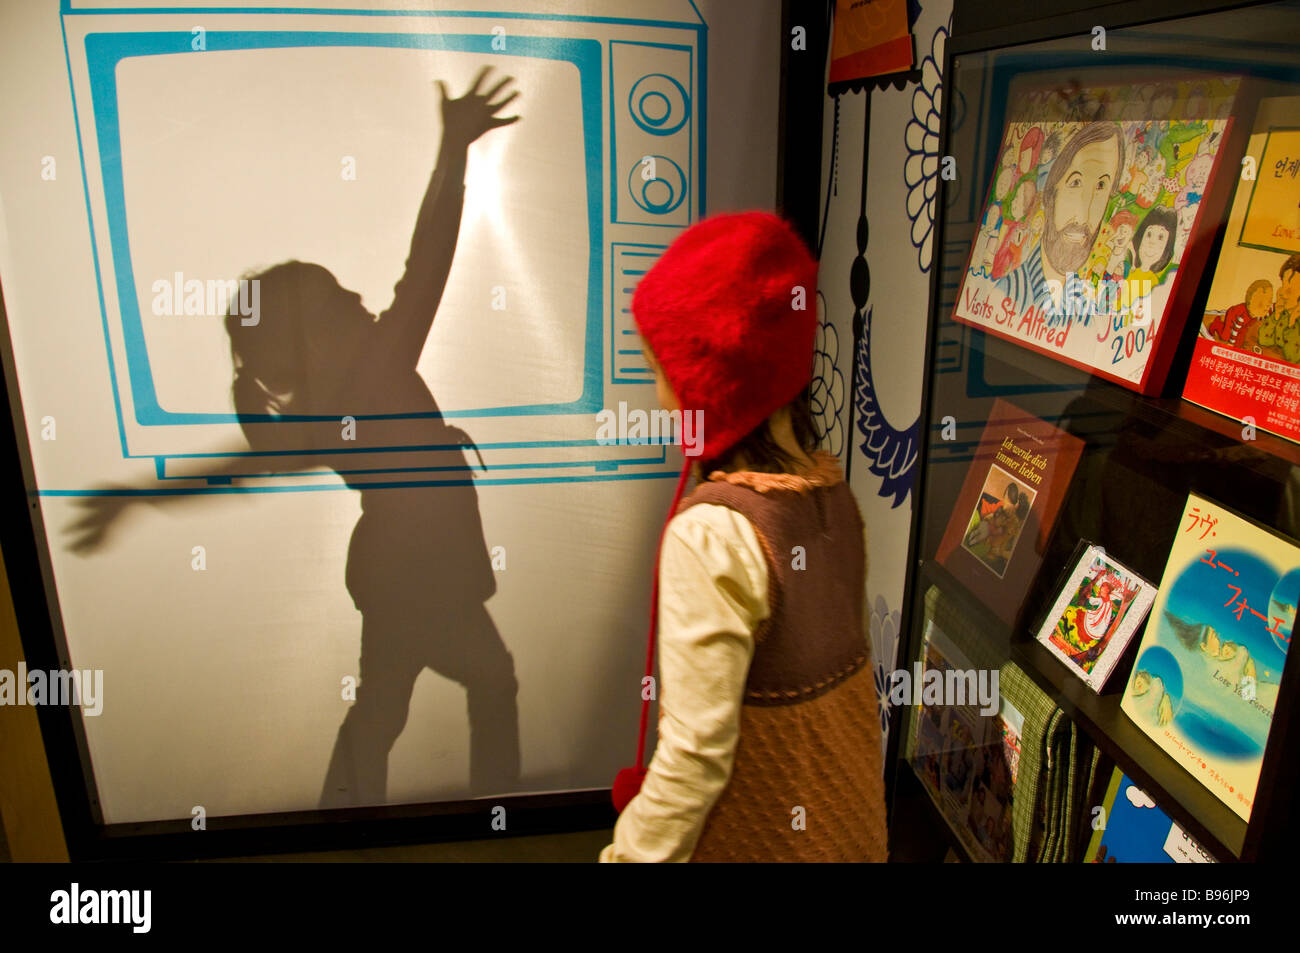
x,y
758,450
305,329
1160,216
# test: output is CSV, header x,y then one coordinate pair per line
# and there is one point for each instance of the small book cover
x,y
1247,359
1133,830
1096,614
1209,668
966,760
1009,502
1095,225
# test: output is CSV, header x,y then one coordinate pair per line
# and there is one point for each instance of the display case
x,y
1112,150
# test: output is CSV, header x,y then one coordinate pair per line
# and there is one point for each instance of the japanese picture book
x,y
1246,364
1088,248
1095,615
1209,669
1133,830
1007,506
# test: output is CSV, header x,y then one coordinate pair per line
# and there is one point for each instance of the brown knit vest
x,y
809,725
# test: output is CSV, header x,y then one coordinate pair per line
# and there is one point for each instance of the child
x,y
769,734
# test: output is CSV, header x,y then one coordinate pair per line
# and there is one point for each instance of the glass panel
x,y
1167,89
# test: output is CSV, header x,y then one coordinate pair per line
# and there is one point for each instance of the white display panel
x,y
221,602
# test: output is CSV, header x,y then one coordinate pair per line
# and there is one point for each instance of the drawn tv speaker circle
x,y
662,192
659,104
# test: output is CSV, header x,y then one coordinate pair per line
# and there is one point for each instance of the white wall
x,y
900,174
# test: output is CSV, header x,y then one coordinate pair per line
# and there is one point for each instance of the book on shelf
x,y
1097,221
1132,829
1007,506
1209,667
1246,362
966,757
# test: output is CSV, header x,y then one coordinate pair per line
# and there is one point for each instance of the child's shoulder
x,y
720,539
710,518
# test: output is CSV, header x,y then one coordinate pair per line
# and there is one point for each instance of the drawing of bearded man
x,y
1078,189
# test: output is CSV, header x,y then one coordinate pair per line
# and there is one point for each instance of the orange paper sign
x,y
871,38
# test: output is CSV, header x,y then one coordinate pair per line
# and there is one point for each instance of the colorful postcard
x,y
1209,669
1095,615
1091,220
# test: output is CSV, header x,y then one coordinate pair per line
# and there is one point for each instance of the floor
x,y
915,838
582,847
920,842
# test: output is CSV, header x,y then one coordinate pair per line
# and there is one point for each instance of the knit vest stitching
x,y
729,494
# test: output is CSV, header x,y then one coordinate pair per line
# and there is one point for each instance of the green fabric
x,y
1082,775
1063,768
1092,778
1052,776
1091,781
1039,711
1066,752
1065,741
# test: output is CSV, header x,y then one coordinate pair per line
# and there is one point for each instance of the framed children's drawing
x,y
1094,228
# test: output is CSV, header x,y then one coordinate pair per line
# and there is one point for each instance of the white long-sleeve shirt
x,y
712,596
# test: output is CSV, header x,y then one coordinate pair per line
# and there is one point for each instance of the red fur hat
x,y
730,312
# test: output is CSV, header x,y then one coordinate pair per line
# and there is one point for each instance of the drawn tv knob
x,y
657,184
659,104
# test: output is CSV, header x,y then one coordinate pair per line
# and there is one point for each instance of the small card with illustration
x,y
1096,613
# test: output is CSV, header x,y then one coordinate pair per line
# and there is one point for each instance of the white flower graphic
x,y
827,395
921,170
884,647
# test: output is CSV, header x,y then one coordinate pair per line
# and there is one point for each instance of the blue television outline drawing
x,y
105,49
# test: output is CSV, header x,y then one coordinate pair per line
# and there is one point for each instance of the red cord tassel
x,y
628,780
